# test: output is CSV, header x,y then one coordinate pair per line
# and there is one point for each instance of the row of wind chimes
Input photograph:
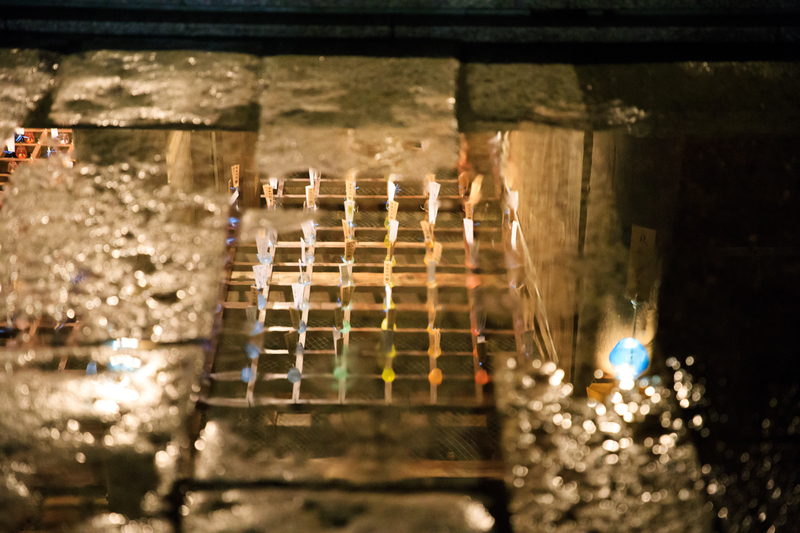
x,y
477,314
301,291
433,255
341,328
266,243
388,326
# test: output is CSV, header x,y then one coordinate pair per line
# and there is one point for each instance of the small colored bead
x,y
258,327
293,375
481,377
91,369
388,375
435,377
340,373
345,327
251,351
247,374
262,302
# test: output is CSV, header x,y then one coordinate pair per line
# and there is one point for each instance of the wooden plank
x,y
368,279
357,306
545,166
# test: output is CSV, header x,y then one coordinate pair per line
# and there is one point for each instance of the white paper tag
x,y
514,231
350,190
388,296
273,183
10,144
260,274
19,131
433,209
54,133
391,189
303,251
297,292
433,190
468,230
429,178
262,245
234,196
308,229
393,225
313,175
349,210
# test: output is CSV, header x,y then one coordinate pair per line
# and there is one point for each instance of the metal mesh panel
x,y
367,354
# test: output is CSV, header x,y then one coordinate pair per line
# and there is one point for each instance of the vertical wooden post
x,y
545,166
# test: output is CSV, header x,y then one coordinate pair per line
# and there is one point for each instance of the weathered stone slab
x,y
113,249
289,510
164,88
25,77
122,427
372,114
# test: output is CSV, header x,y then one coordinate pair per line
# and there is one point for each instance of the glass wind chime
x,y
433,255
388,326
629,357
341,328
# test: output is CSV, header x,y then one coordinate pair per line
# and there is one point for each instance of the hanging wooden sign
x,y
235,175
349,249
393,207
387,272
269,194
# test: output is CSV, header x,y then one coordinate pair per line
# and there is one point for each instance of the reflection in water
x,y
574,464
106,248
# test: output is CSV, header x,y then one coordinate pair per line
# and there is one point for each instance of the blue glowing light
x,y
247,374
251,351
629,358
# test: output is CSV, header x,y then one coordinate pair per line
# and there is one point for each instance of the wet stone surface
x,y
121,428
180,88
366,445
117,523
25,77
502,95
626,465
111,248
370,114
289,510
